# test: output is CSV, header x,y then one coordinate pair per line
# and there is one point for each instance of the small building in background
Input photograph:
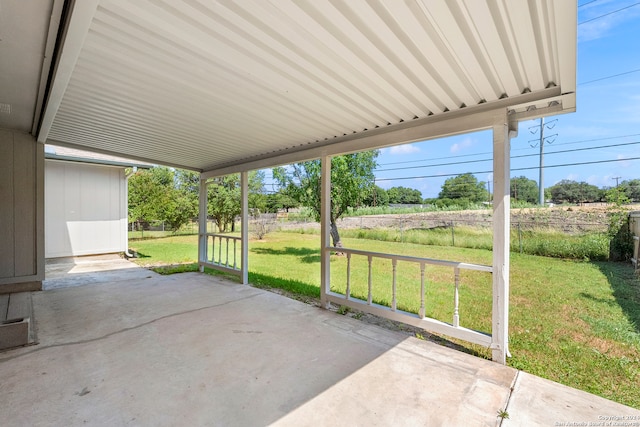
x,y
85,202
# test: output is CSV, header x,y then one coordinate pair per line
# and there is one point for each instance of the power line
x,y
435,158
589,2
609,77
581,149
516,149
436,165
598,139
512,170
513,157
609,13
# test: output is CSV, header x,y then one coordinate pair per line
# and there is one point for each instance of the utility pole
x,y
616,178
540,142
541,180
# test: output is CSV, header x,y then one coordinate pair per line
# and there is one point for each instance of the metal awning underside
x,y
207,85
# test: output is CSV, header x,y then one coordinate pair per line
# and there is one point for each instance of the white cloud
x,y
623,164
404,149
595,30
465,143
601,181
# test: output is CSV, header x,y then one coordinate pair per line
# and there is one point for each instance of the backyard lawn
x,y
574,322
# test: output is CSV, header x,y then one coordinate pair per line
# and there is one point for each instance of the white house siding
x,y
21,212
85,209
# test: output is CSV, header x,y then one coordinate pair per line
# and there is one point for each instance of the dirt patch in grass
x,y
604,346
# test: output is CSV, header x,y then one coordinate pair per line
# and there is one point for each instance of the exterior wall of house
x,y
85,209
21,212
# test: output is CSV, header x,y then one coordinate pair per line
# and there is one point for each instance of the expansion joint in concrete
x,y
131,328
506,405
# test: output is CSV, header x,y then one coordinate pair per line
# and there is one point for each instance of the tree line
x,y
171,195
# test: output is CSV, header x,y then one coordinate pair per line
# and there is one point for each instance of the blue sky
x,y
608,113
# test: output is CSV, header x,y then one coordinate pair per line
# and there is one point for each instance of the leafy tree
x,y
188,181
465,186
526,189
280,200
631,189
620,236
224,197
351,181
154,194
171,195
377,197
144,196
223,200
404,196
177,208
575,192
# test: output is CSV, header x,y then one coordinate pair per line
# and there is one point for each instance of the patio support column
x,y
244,227
325,217
202,224
501,240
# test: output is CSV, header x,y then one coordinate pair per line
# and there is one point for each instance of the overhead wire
x,y
512,170
589,2
609,77
513,157
516,149
609,13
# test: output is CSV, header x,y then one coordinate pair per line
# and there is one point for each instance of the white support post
x,y
244,258
325,218
501,241
202,224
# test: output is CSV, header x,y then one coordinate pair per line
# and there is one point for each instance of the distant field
x,y
574,322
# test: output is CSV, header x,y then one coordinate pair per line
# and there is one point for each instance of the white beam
x,y
244,227
72,43
566,11
49,49
202,224
437,126
556,105
325,212
501,241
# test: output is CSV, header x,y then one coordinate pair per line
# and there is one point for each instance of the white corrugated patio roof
x,y
214,85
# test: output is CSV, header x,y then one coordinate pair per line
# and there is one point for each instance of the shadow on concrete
x,y
195,349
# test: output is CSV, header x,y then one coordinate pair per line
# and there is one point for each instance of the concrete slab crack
x,y
506,406
131,328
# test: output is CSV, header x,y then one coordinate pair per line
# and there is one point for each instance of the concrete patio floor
x,y
120,345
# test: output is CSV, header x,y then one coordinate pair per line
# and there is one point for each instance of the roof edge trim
x,y
109,163
72,43
118,154
467,120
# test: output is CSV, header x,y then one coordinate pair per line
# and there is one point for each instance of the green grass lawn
x,y
574,322
551,243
